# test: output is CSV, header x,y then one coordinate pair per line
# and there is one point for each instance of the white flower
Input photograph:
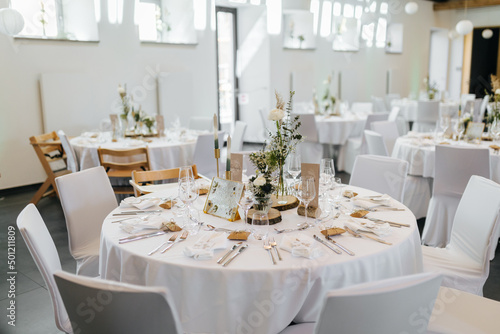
x,y
121,91
259,181
497,92
276,115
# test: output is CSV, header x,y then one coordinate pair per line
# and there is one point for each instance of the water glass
x,y
306,192
186,172
260,225
294,165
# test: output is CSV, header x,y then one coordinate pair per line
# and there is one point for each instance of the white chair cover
x,y
463,100
238,135
379,105
482,109
401,122
427,115
389,98
386,306
464,263
44,252
382,174
453,167
71,160
389,131
461,312
203,156
375,143
201,123
86,198
362,107
477,110
122,308
355,146
311,151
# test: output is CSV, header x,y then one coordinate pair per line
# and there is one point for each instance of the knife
x,y
141,236
134,213
359,235
235,255
229,252
329,237
327,245
376,220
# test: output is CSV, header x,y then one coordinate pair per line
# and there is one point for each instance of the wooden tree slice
x,y
273,215
291,202
311,211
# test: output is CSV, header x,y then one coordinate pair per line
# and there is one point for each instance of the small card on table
x,y
222,199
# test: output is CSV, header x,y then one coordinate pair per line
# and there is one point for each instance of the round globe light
x,y
464,27
11,21
411,8
487,33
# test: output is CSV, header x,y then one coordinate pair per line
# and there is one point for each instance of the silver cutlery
x,y
274,244
301,227
181,238
171,240
268,248
235,255
229,252
326,244
359,235
376,220
217,229
141,236
329,237
135,213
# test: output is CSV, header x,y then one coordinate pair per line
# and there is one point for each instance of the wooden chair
x,y
121,164
49,150
144,182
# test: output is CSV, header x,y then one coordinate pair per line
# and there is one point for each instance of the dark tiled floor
x,y
34,309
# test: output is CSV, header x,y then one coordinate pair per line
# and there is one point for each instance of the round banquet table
x,y
419,150
251,295
164,152
335,130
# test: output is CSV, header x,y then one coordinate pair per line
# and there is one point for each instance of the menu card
x,y
474,131
236,166
222,199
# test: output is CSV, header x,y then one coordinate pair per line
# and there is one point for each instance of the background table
x,y
252,294
335,130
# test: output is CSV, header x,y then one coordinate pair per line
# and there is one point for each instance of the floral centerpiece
x,y
149,122
430,88
494,112
328,100
272,157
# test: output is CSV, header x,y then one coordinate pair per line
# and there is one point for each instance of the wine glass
x,y
260,225
186,172
188,193
326,176
245,204
294,165
495,129
307,192
460,129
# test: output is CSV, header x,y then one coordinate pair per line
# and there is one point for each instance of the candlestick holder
x,y
217,157
228,175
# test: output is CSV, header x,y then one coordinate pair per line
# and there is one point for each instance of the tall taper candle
x,y
228,161
216,135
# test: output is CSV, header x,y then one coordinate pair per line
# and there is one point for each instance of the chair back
x,y
427,116
378,104
362,107
201,123
375,143
368,125
463,100
382,174
122,308
43,250
386,306
484,105
156,176
477,117
71,160
203,156
394,114
238,136
453,167
389,131
308,127
474,222
86,199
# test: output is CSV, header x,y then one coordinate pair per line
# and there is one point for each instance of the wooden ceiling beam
x,y
460,4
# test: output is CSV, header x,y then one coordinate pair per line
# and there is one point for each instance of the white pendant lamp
x,y
411,8
487,33
464,27
11,21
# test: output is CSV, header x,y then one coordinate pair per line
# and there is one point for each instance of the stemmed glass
x,y
326,176
495,129
306,192
188,191
294,165
460,129
246,203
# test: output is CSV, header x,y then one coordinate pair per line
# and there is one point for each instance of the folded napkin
x,y
370,203
423,142
301,246
203,249
139,203
136,224
361,225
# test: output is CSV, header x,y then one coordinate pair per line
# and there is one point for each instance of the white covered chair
x,y
379,104
44,252
427,116
201,123
356,145
464,263
382,174
464,98
120,308
453,167
86,199
402,123
389,131
482,108
238,135
382,307
375,143
203,156
71,160
311,151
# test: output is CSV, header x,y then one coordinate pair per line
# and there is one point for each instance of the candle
x,y
228,163
216,137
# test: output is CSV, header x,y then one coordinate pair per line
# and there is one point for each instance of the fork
x,y
268,248
181,238
273,243
171,240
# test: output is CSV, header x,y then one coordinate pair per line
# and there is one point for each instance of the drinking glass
x,y
260,225
326,164
245,204
306,192
495,129
188,193
186,172
294,165
460,129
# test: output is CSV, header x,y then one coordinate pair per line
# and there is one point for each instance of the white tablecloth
x,y
335,130
409,108
164,153
252,295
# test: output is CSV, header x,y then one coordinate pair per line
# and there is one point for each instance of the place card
x,y
222,199
474,131
236,166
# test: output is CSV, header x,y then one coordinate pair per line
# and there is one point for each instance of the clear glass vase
x,y
262,204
